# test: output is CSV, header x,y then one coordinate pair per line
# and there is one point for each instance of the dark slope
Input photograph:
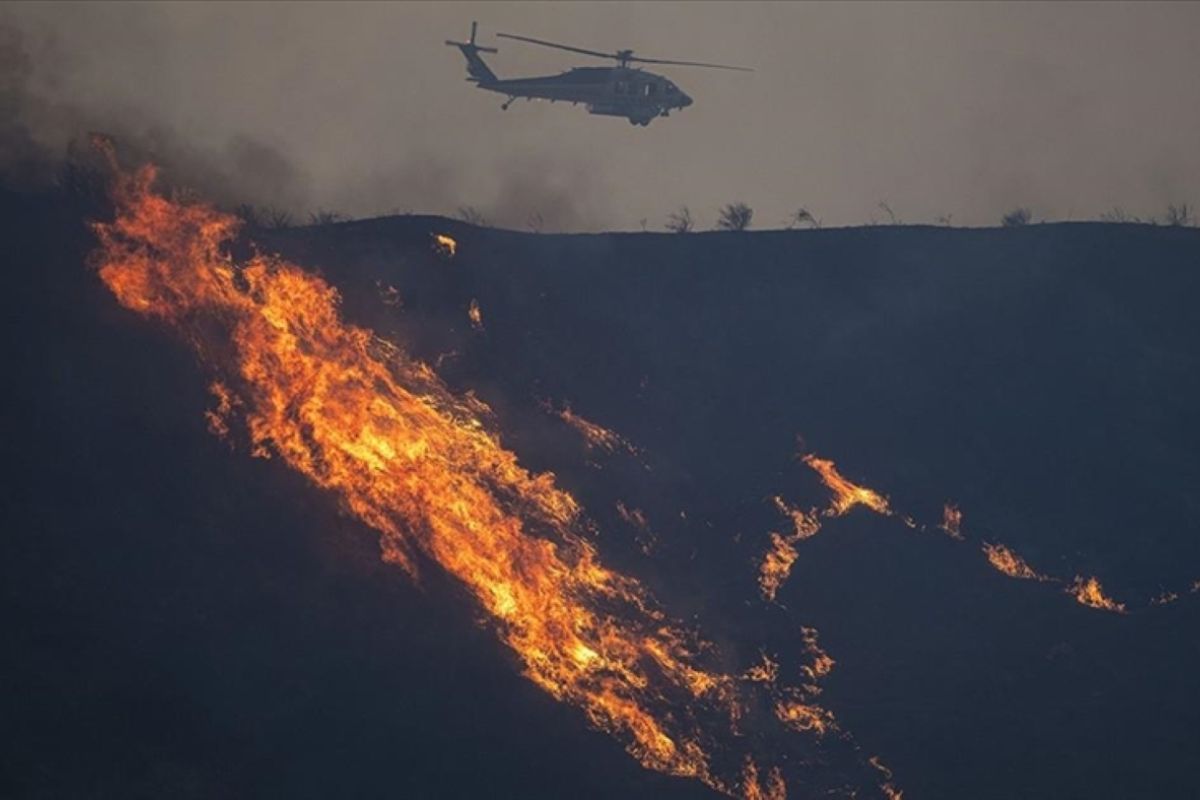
x,y
185,621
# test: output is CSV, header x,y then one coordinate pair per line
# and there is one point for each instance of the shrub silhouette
x,y
1017,217
1118,215
735,217
803,217
681,221
1179,215
472,216
323,217
272,217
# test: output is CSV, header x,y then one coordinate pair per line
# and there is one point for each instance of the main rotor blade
x,y
687,63
557,45
624,56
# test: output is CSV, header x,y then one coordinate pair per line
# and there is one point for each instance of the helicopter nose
x,y
685,100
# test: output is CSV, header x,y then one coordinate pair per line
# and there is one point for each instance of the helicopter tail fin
x,y
477,70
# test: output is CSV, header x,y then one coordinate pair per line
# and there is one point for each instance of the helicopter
x,y
620,91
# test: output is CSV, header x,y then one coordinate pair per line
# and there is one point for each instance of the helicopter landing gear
x,y
639,121
507,103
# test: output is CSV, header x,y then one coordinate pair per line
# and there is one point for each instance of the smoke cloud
x,y
956,111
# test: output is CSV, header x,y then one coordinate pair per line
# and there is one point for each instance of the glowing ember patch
x,y
475,315
777,563
776,566
773,788
1090,593
218,418
821,664
595,436
1166,598
636,518
952,521
1011,564
846,494
803,717
766,671
804,524
444,246
887,788
633,516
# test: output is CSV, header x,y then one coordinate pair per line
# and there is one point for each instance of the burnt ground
x,y
184,621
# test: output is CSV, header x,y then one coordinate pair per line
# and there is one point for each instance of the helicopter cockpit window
x,y
648,89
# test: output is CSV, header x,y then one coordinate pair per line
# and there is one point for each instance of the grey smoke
x,y
936,109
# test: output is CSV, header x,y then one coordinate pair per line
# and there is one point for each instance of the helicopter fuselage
x,y
636,94
620,91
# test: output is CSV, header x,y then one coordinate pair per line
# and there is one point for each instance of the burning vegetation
x,y
781,555
595,437
1011,564
1089,592
422,467
445,246
952,521
846,494
378,430
776,564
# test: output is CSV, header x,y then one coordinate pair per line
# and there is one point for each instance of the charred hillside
x,y
186,620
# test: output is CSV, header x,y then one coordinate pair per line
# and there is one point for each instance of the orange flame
x,y
218,418
444,245
822,664
595,436
361,420
887,787
1010,563
752,789
1089,592
776,566
765,671
803,717
475,315
777,563
846,494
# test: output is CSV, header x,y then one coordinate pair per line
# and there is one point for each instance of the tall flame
x,y
360,419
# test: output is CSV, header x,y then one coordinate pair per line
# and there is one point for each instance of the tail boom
x,y
477,70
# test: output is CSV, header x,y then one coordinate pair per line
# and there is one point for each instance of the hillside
x,y
189,621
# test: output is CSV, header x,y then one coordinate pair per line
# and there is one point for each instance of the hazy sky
x,y
936,109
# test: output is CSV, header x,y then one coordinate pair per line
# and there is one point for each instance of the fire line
x,y
361,420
